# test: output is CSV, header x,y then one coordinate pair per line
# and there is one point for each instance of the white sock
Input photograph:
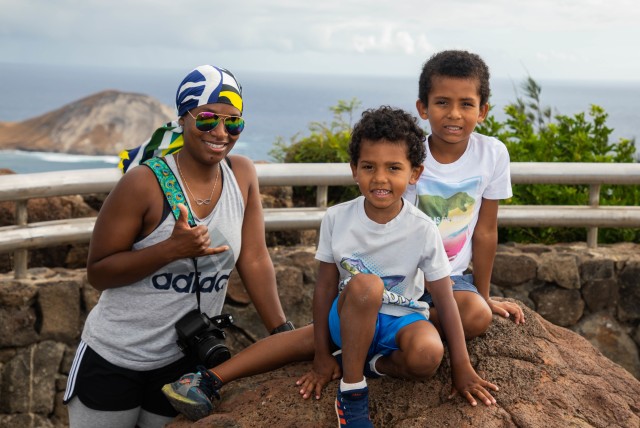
x,y
372,364
344,387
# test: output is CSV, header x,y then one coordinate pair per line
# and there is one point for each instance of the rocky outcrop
x,y
101,124
548,377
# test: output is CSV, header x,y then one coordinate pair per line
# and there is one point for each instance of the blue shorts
x,y
384,338
460,283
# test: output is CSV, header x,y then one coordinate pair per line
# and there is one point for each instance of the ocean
x,y
276,105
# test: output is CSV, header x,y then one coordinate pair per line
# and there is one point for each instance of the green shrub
x,y
533,134
326,143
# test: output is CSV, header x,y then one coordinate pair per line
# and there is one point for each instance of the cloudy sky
x,y
547,39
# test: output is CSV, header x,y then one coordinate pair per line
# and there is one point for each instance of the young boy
x,y
375,253
464,176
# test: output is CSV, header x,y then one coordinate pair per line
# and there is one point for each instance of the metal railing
x,y
24,235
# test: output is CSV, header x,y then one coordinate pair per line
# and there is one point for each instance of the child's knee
x,y
365,289
424,361
476,320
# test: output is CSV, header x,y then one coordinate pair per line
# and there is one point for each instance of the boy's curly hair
x,y
454,63
392,125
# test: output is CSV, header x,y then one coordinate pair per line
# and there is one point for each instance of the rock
x,y
561,269
560,306
606,334
599,268
512,269
600,294
101,124
629,292
32,375
17,326
17,294
548,377
59,306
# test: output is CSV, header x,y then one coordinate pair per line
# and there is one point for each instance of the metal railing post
x,y
20,257
321,196
594,202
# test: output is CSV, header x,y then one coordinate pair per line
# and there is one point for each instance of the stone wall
x,y
595,292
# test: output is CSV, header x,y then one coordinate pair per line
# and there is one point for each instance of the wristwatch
x,y
284,327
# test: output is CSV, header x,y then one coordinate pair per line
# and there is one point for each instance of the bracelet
x,y
284,327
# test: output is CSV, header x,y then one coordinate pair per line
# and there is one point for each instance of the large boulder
x,y
548,376
100,124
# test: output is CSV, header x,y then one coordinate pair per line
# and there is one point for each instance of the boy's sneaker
x,y
352,408
193,393
367,371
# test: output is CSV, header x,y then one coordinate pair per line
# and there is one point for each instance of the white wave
x,y
63,157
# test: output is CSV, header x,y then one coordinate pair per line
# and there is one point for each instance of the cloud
x,y
346,35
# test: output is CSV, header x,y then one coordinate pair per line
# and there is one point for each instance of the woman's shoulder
x,y
138,177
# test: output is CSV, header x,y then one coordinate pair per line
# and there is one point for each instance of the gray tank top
x,y
133,326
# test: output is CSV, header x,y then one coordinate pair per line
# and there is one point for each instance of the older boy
x,y
465,176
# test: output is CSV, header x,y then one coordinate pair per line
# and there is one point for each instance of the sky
x,y
590,40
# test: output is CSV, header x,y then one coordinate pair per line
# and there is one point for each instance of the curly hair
x,y
392,125
454,63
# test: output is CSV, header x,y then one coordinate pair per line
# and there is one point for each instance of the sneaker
x,y
193,393
367,371
352,408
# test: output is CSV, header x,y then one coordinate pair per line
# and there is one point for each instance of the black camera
x,y
203,337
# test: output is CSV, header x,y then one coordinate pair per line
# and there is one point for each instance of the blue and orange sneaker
x,y
193,394
352,408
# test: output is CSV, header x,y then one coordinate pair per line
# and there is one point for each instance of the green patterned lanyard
x,y
170,187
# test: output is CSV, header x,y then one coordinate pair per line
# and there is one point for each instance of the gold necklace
x,y
184,180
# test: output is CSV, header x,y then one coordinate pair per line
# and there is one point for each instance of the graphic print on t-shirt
x,y
390,297
450,206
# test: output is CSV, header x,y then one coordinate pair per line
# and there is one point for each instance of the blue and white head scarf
x,y
205,84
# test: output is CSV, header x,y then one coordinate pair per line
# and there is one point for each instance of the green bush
x,y
326,143
533,134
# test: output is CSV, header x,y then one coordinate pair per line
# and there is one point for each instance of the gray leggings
x,y
80,416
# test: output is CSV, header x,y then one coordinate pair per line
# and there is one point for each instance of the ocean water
x,y
276,105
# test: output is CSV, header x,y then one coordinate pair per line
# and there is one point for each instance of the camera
x,y
203,337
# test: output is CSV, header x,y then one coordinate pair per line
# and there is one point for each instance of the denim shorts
x,y
384,338
460,283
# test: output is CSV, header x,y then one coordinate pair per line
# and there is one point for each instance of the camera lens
x,y
212,352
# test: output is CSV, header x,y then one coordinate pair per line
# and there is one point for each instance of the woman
x,y
147,263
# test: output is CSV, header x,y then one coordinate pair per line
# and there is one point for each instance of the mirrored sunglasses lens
x,y
206,121
234,125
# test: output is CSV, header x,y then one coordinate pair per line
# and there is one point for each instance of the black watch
x,y
284,327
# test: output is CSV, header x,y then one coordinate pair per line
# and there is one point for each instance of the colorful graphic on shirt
x,y
451,207
355,266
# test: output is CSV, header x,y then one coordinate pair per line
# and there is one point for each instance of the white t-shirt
x,y
403,252
451,194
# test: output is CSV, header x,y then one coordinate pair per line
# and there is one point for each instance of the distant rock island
x,y
101,124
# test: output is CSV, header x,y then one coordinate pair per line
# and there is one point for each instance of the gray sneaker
x,y
193,393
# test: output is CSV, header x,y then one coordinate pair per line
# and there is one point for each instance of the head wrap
x,y
205,84
208,85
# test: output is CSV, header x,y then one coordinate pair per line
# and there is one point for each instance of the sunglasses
x,y
207,121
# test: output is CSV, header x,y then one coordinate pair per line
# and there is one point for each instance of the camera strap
x,y
174,195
